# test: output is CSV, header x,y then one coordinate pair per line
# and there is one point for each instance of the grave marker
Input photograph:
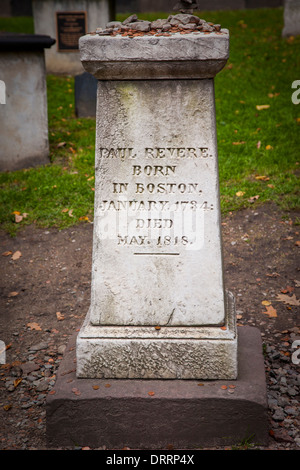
x,y
158,304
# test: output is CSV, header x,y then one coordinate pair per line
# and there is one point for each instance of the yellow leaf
x,y
260,107
239,143
263,178
270,311
269,147
266,302
240,193
17,382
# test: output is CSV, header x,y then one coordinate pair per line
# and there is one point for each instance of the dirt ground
x,y
45,296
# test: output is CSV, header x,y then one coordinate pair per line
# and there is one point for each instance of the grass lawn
x,y
257,123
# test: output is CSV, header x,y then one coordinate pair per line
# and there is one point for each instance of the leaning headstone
x,y
67,21
158,307
291,18
23,114
85,95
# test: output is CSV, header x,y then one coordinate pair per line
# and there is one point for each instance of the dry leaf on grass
x,y
260,107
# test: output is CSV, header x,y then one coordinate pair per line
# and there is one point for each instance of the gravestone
x,y
85,88
160,318
291,18
157,243
24,112
67,20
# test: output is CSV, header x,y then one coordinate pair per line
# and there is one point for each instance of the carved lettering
x,y
168,188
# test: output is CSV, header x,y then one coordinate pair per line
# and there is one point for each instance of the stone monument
x,y
159,309
24,113
291,18
157,283
67,21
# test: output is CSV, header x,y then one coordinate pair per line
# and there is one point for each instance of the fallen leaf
x,y
297,283
59,316
232,386
7,253
61,144
70,213
269,147
18,218
238,143
288,300
260,107
17,382
151,394
263,178
297,243
266,302
240,193
96,387
65,210
270,311
253,198
157,327
224,387
223,328
7,407
13,294
52,392
258,145
16,255
34,326
200,385
271,186
76,391
107,385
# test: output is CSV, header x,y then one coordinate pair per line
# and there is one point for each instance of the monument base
x,y
157,414
147,352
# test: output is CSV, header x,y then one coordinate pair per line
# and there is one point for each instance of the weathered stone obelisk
x,y
158,306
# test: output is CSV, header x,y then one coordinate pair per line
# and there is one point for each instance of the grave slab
x,y
157,414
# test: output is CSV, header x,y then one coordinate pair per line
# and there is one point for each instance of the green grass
x,y
251,142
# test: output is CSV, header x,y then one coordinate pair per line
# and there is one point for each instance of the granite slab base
x,y
157,414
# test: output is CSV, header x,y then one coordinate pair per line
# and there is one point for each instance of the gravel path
x,y
45,291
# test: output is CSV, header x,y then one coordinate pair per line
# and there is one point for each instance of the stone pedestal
x,y
67,20
161,414
291,18
23,114
158,305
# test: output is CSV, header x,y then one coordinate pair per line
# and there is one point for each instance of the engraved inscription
x,y
134,218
